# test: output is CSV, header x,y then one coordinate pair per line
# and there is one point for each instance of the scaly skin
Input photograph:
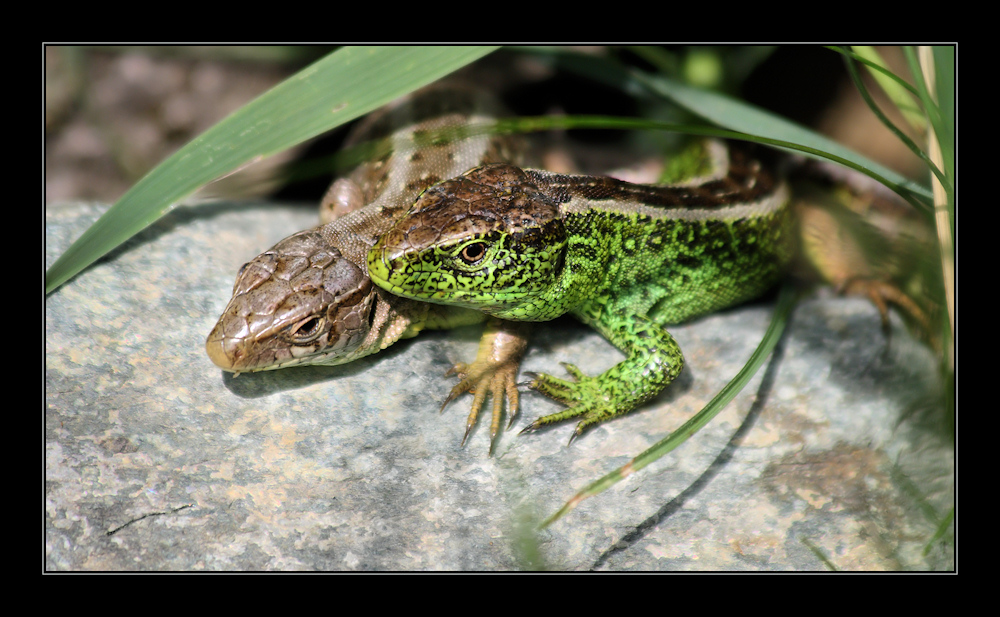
x,y
308,300
625,259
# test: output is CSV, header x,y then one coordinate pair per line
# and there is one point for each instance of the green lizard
x,y
626,259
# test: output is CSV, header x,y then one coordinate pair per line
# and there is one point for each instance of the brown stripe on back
x,y
746,181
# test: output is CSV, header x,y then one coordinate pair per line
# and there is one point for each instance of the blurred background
x,y
113,113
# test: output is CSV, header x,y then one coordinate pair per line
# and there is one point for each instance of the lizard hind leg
x,y
840,248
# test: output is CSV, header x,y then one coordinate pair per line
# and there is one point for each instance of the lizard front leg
x,y
654,359
493,372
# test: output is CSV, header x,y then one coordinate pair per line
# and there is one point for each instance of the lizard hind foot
x,y
882,293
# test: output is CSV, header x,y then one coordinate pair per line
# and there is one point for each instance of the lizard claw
x,y
493,372
572,436
880,293
497,381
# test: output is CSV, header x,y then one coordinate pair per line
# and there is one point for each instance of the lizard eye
x,y
307,330
472,253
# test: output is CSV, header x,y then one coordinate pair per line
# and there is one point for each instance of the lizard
x,y
626,259
308,299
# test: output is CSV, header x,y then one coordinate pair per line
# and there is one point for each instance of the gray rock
x,y
157,460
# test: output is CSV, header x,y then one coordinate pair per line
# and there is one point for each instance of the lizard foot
x,y
480,379
584,396
493,372
881,293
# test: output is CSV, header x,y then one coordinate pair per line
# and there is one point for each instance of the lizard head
x,y
488,240
301,302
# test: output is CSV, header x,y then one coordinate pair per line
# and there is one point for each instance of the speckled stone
x,y
157,460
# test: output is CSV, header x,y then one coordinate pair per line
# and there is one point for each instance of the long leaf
x,y
334,90
740,116
736,115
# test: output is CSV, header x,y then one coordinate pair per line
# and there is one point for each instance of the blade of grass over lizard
x,y
938,70
903,95
334,90
863,90
905,188
939,155
735,115
786,301
773,130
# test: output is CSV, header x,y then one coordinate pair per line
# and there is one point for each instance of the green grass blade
x,y
743,117
736,115
336,89
903,95
815,550
944,72
942,529
909,143
918,198
934,111
786,301
895,86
